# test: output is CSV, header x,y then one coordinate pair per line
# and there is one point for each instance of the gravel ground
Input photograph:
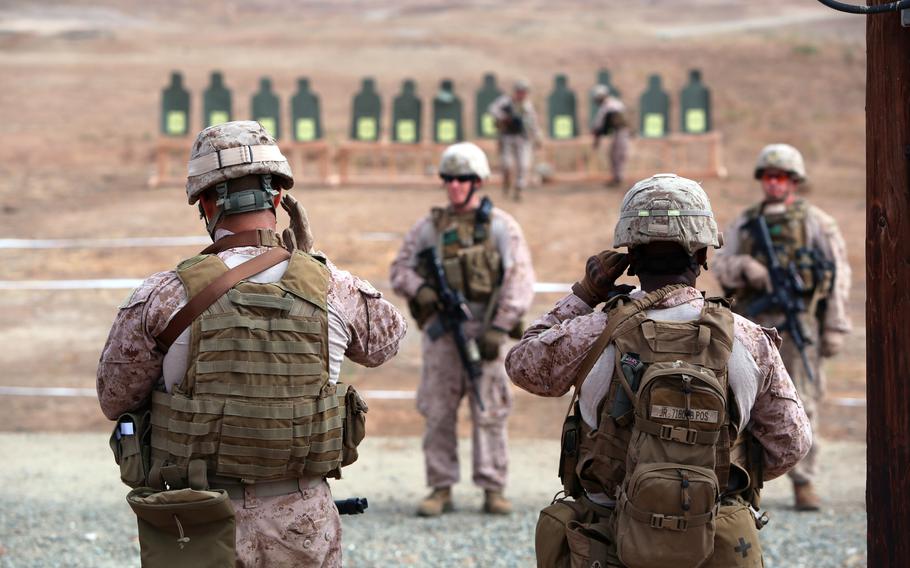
x,y
61,504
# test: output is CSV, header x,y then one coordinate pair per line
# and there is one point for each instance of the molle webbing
x,y
216,288
706,342
256,402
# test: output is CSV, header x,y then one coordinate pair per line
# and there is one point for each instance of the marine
x,y
808,244
610,120
226,372
681,409
487,285
519,133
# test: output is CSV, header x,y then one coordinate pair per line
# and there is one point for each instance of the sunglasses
x,y
775,176
460,179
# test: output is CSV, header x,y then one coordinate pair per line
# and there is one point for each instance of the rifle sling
x,y
210,294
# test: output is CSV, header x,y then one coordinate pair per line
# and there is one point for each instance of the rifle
x,y
352,506
786,292
452,315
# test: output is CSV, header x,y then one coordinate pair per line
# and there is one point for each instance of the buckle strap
x,y
679,434
669,522
240,489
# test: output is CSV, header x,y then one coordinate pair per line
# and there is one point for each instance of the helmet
x,y
464,159
666,207
521,85
783,157
600,91
232,150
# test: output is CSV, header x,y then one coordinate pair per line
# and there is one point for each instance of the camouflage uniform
x,y
619,146
443,379
547,358
300,528
822,233
516,150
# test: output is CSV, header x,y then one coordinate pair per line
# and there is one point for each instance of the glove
x,y
300,225
489,344
601,272
756,275
832,343
427,299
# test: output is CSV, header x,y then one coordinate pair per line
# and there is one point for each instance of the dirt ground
x,y
80,100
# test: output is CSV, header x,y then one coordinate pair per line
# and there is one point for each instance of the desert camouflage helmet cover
x,y
666,207
782,157
464,159
232,150
600,91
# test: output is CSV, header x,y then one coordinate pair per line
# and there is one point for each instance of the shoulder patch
x,y
366,288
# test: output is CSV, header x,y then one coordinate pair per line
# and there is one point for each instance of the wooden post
x,y
888,292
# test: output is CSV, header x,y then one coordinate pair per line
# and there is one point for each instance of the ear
x,y
207,205
701,257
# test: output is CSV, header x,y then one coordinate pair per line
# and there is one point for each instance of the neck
x,y
264,219
471,205
652,282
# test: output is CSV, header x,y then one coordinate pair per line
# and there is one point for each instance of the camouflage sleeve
x,y
497,108
517,290
547,358
728,265
778,420
130,363
376,327
403,274
599,118
826,235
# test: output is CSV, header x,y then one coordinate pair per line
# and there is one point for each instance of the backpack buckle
x,y
677,434
657,521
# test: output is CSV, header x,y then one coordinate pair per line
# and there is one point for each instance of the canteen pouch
x,y
184,527
131,444
551,544
666,516
355,424
736,543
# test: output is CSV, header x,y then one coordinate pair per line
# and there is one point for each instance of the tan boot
x,y
495,503
436,503
805,498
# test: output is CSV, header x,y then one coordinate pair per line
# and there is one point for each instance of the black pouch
x,y
568,454
131,443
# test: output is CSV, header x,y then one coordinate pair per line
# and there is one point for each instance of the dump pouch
x,y
551,544
184,528
355,424
131,443
736,543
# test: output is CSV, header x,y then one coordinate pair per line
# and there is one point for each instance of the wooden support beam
x,y
888,289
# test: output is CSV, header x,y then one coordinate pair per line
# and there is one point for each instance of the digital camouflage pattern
x,y
551,351
232,135
782,157
666,207
362,327
443,379
822,233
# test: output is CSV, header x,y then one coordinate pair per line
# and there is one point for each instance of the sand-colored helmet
x,y
464,159
521,85
232,150
782,157
600,92
666,207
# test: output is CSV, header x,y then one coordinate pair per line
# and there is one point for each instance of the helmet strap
x,y
470,195
244,200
